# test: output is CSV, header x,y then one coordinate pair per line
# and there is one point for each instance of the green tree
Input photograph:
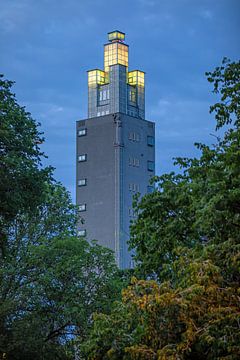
x,y
187,238
22,180
203,203
51,281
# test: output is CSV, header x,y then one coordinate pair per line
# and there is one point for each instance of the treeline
x,y
62,298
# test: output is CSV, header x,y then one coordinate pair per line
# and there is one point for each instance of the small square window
x,y
150,189
82,132
150,141
82,182
82,157
150,165
81,232
82,207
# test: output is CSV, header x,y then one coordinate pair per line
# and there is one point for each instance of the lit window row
x,y
116,35
102,113
133,136
136,77
134,162
104,95
115,53
134,187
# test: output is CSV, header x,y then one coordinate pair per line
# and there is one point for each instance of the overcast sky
x,y
47,46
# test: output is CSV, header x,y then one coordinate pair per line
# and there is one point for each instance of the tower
x,y
115,150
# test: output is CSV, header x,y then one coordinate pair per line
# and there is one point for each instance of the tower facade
x,y
115,150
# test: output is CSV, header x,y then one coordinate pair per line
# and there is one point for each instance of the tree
x,y
22,180
197,319
187,238
203,203
51,281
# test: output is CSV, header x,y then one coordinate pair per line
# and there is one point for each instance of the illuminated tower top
x,y
115,89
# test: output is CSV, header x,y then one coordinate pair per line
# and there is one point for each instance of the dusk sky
x,y
47,46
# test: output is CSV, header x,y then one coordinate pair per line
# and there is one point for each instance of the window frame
x,y
82,207
83,184
84,156
82,132
150,165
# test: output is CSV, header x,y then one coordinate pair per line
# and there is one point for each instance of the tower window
x,y
150,165
133,136
150,141
132,96
81,232
134,162
82,132
134,187
82,207
82,182
82,157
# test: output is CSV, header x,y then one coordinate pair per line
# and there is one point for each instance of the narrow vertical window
x,y
150,141
150,165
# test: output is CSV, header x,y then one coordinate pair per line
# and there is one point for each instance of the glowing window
x,y
115,53
136,77
96,77
116,35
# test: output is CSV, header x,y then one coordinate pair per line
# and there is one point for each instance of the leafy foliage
x,y
187,239
22,182
203,203
51,281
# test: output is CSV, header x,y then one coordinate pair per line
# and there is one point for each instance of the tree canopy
x,y
185,302
51,280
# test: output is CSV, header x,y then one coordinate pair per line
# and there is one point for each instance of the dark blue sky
x,y
47,46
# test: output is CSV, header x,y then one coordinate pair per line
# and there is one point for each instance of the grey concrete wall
x,y
109,172
99,193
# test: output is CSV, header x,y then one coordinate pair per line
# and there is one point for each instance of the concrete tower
x,y
115,150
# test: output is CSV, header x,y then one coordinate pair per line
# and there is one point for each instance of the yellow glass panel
x,y
115,53
96,77
136,78
116,35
